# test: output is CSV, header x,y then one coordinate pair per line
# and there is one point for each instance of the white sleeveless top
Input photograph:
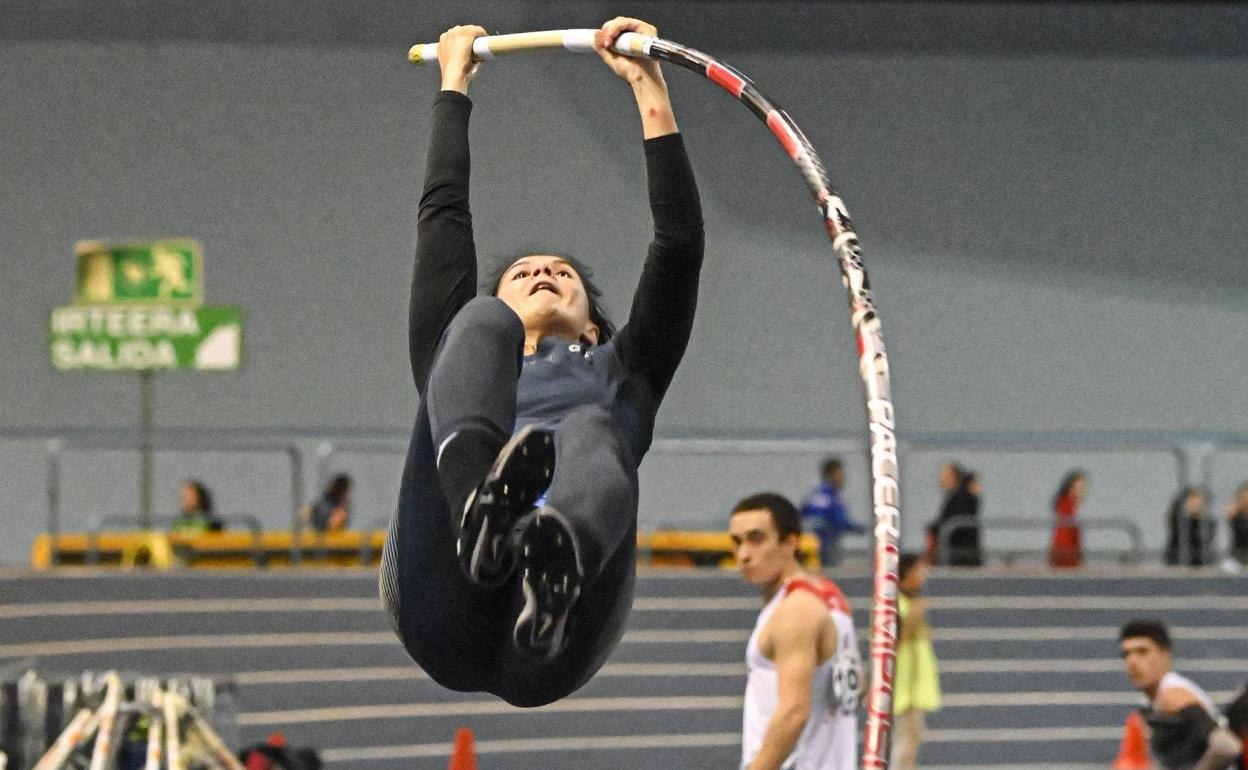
x,y
830,739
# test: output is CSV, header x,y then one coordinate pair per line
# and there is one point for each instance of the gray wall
x,y
1047,196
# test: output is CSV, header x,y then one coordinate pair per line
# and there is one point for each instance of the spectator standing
x,y
825,514
1189,531
1066,547
332,511
961,503
916,690
1237,523
195,514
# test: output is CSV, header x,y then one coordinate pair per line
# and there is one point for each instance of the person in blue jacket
x,y
825,514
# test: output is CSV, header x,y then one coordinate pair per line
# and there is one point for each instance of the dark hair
x,y
597,313
1151,629
830,464
1068,481
907,562
783,514
337,488
203,498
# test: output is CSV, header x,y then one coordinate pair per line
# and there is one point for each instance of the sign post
x,y
138,308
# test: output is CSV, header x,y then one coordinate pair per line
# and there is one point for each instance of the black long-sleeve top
x,y
631,372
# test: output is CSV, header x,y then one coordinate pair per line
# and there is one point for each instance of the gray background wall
x,y
1048,195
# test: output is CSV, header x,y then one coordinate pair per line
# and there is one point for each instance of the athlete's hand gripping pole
x,y
575,40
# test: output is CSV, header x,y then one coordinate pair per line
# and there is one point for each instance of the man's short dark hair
x,y
829,465
1149,629
783,514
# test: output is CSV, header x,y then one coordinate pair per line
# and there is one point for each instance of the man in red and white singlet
x,y
801,698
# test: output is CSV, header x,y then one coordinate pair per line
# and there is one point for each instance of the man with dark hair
x,y
801,698
1186,730
826,514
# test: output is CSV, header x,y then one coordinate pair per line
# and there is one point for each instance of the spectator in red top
x,y
1066,550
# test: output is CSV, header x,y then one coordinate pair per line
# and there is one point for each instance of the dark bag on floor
x,y
276,755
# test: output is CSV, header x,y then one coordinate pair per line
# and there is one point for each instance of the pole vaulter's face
x,y
1145,660
548,295
761,555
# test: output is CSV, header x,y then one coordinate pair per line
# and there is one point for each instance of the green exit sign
x,y
139,272
144,338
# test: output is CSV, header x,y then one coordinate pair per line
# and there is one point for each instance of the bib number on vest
x,y
846,685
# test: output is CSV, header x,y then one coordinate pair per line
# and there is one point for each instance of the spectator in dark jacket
x,y
961,489
1189,531
1237,522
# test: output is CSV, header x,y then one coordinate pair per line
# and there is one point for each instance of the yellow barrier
x,y
702,549
273,548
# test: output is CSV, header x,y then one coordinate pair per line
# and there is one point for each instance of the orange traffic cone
x,y
462,756
1133,754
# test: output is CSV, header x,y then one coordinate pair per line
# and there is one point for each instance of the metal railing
x,y
953,524
1195,453
55,448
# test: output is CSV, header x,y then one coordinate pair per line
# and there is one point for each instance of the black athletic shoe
x,y
518,478
552,577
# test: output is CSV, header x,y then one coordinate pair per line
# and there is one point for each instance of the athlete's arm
x,y
445,277
642,75
1223,746
1224,749
794,635
660,321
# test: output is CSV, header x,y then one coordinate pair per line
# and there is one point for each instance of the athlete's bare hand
x,y
642,74
633,70
455,57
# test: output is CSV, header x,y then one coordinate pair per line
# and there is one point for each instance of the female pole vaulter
x,y
509,565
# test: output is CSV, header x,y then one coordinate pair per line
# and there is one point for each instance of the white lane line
x,y
1072,665
491,708
50,648
326,675
194,642
186,607
698,635
717,740
478,708
695,603
345,604
1023,734
732,670
410,673
1044,766
1032,603
1110,698
640,604
519,745
1108,634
